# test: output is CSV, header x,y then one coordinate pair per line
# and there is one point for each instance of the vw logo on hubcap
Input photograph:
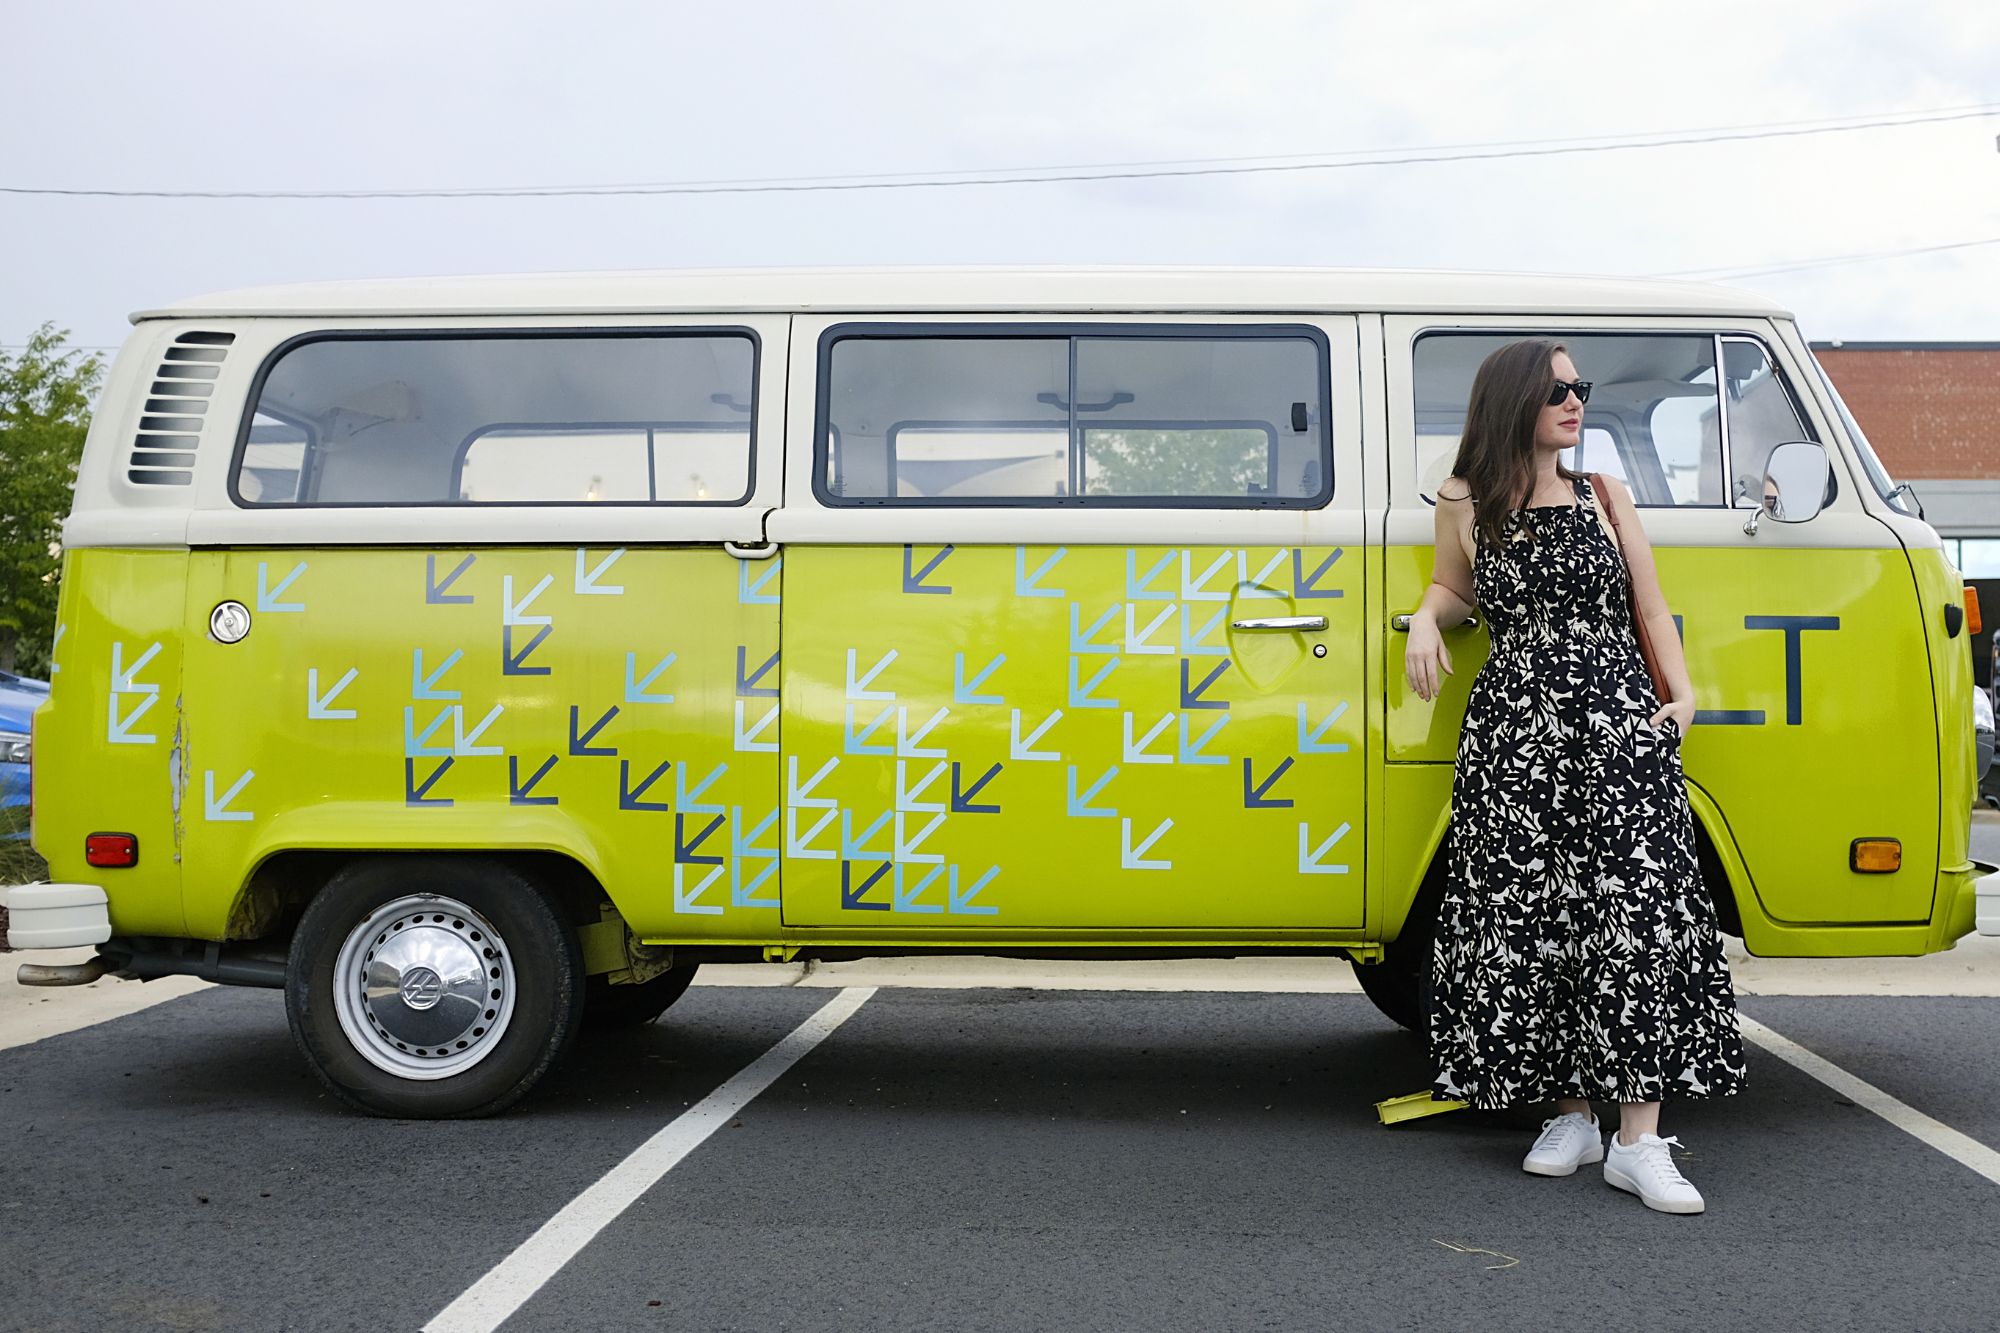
x,y
422,988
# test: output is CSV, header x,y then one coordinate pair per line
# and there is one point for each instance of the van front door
x,y
1073,625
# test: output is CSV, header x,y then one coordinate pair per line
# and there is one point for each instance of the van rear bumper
x,y
1986,900
57,916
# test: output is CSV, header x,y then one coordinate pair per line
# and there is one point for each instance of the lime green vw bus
x,y
475,658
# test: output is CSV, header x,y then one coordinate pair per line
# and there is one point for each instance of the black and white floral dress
x,y
1576,950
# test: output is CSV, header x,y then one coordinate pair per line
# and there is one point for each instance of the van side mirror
x,y
1795,484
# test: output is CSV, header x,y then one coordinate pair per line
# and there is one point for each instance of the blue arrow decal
x,y
1309,860
1192,639
1080,639
850,896
438,593
1261,585
515,664
962,690
745,739
688,799
1132,858
915,582
215,807
1191,751
1254,798
1029,585
635,685
123,677
907,742
1137,588
1135,639
1307,585
962,904
414,795
319,707
1136,753
1018,748
906,795
467,742
587,584
743,847
857,686
802,796
750,592
1079,806
747,686
425,686
904,897
1196,589
797,845
961,801
1309,742
851,847
1079,690
516,613
118,727
579,745
522,793
743,894
742,841
1191,698
686,899
415,743
267,600
857,742
906,847
628,795
686,851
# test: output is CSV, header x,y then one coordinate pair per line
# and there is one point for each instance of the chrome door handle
x,y
1280,623
1401,624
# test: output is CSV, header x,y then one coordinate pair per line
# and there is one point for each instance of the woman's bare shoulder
x,y
1454,490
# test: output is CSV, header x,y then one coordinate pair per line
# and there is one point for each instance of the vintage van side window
x,y
1762,416
1159,416
1654,417
535,418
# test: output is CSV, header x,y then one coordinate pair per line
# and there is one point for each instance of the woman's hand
x,y
1681,711
1425,657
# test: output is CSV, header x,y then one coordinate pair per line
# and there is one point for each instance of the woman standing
x,y
1576,951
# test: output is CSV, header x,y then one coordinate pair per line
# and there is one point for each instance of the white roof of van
x,y
976,289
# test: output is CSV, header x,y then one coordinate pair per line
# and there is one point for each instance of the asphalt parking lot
x,y
1012,1156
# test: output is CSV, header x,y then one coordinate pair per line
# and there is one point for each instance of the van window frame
x,y
512,333
1073,333
1717,336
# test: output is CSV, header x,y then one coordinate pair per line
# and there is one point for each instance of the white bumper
x,y
1986,904
61,916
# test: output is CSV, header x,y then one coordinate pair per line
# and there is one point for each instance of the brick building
x,y
1932,412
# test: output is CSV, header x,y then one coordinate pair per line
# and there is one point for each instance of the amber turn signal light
x,y
1972,625
1875,856
111,851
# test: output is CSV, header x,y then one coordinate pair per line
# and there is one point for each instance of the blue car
x,y
19,697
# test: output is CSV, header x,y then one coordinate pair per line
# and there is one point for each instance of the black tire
x,y
1400,985
506,912
607,1007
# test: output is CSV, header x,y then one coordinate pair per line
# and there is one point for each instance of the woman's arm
x,y
1652,604
1448,599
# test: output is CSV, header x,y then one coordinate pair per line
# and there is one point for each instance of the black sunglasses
x,y
1559,391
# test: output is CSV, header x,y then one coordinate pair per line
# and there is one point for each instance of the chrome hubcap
x,y
424,988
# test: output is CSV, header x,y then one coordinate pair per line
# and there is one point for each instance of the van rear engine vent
x,y
177,404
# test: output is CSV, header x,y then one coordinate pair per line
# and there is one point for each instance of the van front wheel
x,y
1400,985
432,987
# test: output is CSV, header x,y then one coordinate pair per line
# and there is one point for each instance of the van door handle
x,y
754,551
1280,623
1401,624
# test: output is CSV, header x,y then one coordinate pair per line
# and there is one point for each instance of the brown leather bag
x,y
1646,648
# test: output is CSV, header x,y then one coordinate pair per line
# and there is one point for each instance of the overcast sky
x,y
357,94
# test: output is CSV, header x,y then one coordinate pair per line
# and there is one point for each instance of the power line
x,y
1830,261
1326,161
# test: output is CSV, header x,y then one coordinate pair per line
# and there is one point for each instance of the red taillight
x,y
111,851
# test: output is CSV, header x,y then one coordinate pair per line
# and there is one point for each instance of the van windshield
x,y
1878,476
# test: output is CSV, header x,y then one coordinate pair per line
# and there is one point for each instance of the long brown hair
x,y
1496,454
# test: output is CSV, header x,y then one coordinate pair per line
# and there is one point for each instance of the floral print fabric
x,y
1576,950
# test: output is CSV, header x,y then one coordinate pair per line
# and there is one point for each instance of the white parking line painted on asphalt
x,y
507,1286
1959,1147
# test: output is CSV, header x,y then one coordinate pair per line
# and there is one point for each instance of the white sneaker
x,y
1647,1169
1567,1142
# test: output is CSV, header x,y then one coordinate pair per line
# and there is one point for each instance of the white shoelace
x,y
1659,1158
1563,1126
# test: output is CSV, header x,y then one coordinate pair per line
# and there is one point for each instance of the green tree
x,y
45,394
